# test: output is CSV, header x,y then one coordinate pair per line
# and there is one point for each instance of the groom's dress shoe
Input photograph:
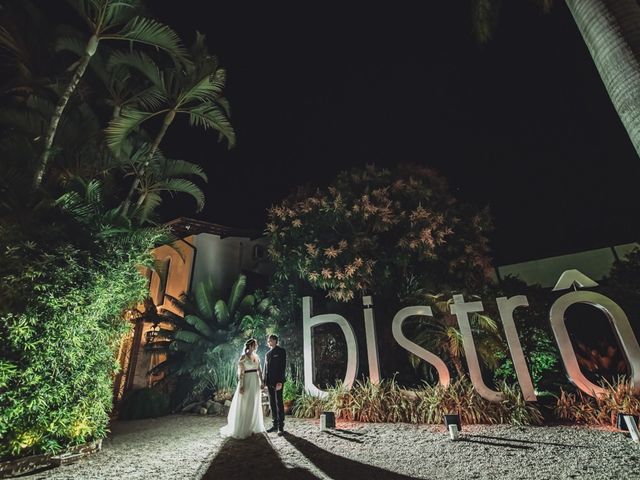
x,y
272,429
280,432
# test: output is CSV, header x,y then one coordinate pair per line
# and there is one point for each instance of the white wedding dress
x,y
245,414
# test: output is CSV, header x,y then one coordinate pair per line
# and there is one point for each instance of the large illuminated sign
x,y
461,309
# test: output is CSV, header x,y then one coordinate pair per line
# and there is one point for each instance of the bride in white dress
x,y
245,414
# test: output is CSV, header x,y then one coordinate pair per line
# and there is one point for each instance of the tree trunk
x,y
168,120
611,31
457,363
90,49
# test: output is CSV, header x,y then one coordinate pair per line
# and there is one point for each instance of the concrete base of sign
x,y
454,434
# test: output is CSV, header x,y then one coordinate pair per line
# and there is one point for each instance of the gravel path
x,y
189,447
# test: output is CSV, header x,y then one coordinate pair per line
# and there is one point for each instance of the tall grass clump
x,y
389,403
617,398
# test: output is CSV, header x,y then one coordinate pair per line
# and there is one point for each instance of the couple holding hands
x,y
245,414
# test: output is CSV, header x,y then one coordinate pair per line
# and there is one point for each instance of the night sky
x,y
523,124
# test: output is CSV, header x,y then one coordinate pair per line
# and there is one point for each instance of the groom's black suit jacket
x,y
274,366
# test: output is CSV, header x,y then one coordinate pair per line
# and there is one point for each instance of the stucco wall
x,y
596,264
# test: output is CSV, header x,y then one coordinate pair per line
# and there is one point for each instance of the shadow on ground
x,y
253,457
338,467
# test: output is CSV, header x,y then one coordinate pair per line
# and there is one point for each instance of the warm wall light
x,y
152,334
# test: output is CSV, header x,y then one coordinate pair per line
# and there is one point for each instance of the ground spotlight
x,y
452,423
629,423
327,420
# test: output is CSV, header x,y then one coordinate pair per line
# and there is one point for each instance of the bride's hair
x,y
247,345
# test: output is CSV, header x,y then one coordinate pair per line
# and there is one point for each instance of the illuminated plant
x,y
371,227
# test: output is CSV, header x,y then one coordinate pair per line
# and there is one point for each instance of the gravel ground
x,y
189,447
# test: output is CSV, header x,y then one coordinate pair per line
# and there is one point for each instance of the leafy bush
x,y
580,408
64,290
541,352
144,403
387,402
371,227
204,340
291,390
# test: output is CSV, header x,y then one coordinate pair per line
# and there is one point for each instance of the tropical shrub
x,y
203,341
69,267
618,397
388,402
540,351
397,234
291,390
371,227
64,289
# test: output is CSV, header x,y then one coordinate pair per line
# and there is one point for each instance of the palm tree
x,y
609,29
106,20
159,175
194,90
441,334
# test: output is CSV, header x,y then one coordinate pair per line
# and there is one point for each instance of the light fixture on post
x,y
452,423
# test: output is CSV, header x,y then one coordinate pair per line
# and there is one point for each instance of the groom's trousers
x,y
277,407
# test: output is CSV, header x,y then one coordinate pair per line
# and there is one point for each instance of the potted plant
x,y
290,392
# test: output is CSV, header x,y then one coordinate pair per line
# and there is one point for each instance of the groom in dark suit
x,y
275,363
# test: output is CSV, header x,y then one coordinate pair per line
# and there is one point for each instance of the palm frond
x,y
138,61
180,185
186,336
210,116
150,32
222,312
485,322
207,89
152,98
120,11
237,291
205,298
182,168
73,44
247,303
129,120
200,325
150,202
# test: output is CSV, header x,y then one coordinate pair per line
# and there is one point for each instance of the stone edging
x,y
25,465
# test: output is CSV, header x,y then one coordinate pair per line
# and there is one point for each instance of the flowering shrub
x,y
371,227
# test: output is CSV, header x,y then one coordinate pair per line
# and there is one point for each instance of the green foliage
x,y
291,390
194,90
388,402
144,403
580,408
204,340
540,351
64,289
70,252
372,227
440,333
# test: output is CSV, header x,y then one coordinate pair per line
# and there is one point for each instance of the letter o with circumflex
x,y
621,327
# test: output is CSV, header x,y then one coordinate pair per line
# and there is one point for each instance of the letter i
x,y
372,341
